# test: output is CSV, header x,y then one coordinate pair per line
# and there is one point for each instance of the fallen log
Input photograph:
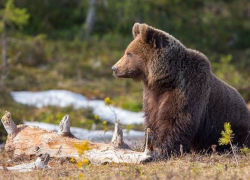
x,y
25,141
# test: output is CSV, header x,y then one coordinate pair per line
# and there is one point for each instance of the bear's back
x,y
225,105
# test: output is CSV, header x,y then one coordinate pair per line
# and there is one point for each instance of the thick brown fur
x,y
183,101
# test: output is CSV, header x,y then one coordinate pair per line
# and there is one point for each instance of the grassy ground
x,y
190,166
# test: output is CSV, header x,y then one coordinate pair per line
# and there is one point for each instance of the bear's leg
x,y
170,143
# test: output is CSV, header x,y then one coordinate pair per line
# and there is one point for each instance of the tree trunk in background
x,y
4,67
4,50
90,19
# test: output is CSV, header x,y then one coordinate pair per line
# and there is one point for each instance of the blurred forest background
x,y
72,44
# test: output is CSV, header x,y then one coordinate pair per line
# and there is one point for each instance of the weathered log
x,y
28,141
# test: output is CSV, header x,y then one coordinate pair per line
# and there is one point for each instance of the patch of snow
x,y
64,98
93,135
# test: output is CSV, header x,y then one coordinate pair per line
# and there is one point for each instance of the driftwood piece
x,y
40,163
28,141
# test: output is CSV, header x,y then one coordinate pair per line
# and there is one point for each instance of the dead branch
x,y
40,163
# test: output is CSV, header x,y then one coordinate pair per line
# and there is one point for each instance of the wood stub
x,y
64,126
8,123
117,139
148,143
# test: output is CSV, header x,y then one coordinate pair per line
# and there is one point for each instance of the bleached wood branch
x,y
40,163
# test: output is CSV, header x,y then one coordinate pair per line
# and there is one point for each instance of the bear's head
x,y
150,56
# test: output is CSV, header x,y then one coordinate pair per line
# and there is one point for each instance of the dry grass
x,y
190,166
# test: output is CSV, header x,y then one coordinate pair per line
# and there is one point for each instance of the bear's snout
x,y
114,68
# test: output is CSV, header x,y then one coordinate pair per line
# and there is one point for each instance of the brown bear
x,y
183,101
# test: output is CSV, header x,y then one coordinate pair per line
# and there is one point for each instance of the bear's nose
x,y
114,68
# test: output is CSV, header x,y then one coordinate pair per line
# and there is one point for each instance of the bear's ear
x,y
136,29
153,36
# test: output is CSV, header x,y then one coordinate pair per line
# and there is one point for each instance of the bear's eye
x,y
129,54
